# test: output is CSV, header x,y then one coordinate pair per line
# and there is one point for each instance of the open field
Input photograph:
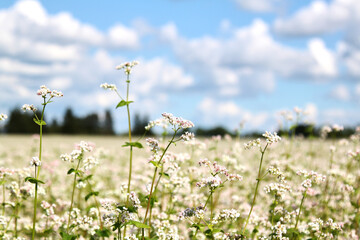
x,y
330,206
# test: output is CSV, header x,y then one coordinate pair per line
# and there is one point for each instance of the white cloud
x,y
323,56
123,37
311,112
228,113
318,18
260,5
248,61
60,83
341,92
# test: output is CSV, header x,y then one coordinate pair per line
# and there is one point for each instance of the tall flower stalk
x,y
127,67
176,123
47,95
270,138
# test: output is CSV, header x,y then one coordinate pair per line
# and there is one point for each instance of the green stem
x,y
256,188
37,174
301,204
207,201
16,217
131,148
96,204
153,181
73,193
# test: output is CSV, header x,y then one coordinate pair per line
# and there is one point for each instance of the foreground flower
x,y
111,87
127,66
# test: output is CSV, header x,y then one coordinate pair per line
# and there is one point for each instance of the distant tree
x,y
107,128
219,130
54,127
21,122
90,124
140,124
70,123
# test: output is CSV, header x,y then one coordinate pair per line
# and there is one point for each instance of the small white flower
x,y
27,107
35,161
111,87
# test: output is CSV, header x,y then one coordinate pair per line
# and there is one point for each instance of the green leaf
x,y
71,170
165,174
116,226
138,224
156,164
123,103
133,144
39,122
33,180
91,194
103,233
88,177
66,236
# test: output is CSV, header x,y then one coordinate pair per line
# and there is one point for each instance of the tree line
x,y
20,122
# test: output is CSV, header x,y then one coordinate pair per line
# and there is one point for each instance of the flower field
x,y
182,208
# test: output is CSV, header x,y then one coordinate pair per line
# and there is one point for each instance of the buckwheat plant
x,y
80,166
219,175
271,138
127,67
47,95
176,124
311,178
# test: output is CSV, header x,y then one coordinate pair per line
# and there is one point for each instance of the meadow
x,y
176,186
330,209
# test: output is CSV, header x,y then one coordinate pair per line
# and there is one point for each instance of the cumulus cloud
x,y
319,17
66,54
215,112
248,61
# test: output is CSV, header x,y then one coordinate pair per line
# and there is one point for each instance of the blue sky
x,y
213,62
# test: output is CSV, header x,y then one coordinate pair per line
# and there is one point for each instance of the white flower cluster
x,y
212,182
79,152
311,177
153,144
227,215
127,66
176,122
252,143
90,162
279,229
134,200
318,227
49,208
35,162
43,91
271,137
272,170
278,189
187,136
197,212
3,116
216,169
27,107
111,87
325,130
